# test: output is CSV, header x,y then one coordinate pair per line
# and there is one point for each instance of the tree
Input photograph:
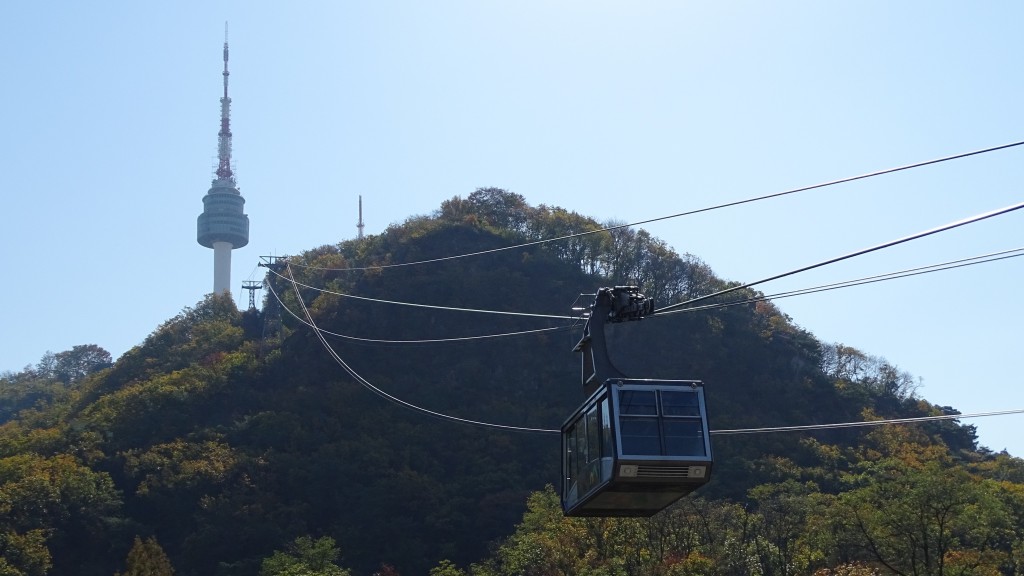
x,y
500,208
546,543
582,250
784,544
925,520
24,554
23,390
71,504
447,568
849,365
147,558
305,557
70,366
848,570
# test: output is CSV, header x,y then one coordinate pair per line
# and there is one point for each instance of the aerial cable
x,y
674,307
949,265
421,341
680,214
430,306
366,384
890,244
864,423
953,264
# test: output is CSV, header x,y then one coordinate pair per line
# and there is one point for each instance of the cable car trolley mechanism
x,y
634,446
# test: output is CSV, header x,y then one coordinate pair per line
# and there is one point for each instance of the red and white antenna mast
x,y
224,171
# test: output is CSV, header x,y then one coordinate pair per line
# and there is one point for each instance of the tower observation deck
x,y
223,226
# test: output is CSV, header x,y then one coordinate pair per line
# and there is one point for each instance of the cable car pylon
x,y
634,446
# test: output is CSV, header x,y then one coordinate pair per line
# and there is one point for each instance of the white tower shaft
x,y
221,267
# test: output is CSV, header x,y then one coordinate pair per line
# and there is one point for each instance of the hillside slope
x,y
226,439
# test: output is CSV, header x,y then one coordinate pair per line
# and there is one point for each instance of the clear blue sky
x,y
617,110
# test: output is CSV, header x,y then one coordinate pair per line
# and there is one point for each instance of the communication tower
x,y
252,286
223,226
272,308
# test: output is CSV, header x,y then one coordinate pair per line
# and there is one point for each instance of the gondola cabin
x,y
635,447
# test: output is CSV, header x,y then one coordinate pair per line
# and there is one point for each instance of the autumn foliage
x,y
244,447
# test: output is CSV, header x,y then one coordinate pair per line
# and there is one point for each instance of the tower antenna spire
x,y
224,171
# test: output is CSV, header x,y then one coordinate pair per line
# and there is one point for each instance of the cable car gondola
x,y
634,446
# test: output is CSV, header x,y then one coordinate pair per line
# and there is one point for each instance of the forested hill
x,y
228,435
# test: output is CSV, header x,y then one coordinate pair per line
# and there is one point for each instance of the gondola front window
x,y
660,423
684,438
680,403
639,424
638,402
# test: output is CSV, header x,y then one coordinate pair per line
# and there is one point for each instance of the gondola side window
x,y
569,466
590,469
607,441
588,443
580,455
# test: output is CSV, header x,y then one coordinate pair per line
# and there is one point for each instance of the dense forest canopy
x,y
231,442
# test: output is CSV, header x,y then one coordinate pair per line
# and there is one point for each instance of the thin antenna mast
x,y
224,171
360,224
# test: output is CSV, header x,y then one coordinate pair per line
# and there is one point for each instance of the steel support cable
x,y
369,386
366,384
430,306
929,232
865,423
951,265
664,311
677,215
668,309
422,341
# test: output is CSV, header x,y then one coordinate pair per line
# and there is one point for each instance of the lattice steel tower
x,y
222,225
